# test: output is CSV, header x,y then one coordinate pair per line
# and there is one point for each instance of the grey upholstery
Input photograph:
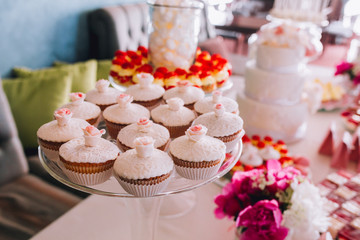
x,y
27,203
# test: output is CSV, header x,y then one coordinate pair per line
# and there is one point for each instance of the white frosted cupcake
x,y
103,95
88,160
88,111
223,125
174,116
187,92
143,127
122,114
53,134
197,156
206,104
143,171
146,93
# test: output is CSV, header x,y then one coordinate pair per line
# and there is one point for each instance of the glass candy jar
x,y
173,32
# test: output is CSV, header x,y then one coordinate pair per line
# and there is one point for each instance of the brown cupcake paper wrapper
x,y
150,104
88,179
232,140
104,106
93,121
177,131
49,144
114,128
197,170
144,188
87,168
190,106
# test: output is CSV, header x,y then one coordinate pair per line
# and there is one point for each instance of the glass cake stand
x,y
227,86
144,217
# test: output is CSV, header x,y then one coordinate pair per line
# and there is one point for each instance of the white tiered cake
x,y
272,102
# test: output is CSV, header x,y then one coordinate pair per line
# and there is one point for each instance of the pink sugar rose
x,y
262,221
343,67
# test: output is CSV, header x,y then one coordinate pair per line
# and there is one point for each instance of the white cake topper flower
x,y
124,100
197,132
145,79
183,85
63,116
144,124
175,103
216,96
102,85
77,97
219,109
144,146
92,135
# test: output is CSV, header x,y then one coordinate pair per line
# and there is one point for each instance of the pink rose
x,y
219,109
175,103
343,67
92,135
102,85
77,97
262,221
63,116
144,124
144,146
124,100
195,133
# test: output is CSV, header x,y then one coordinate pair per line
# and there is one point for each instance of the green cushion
x,y
33,101
103,68
83,74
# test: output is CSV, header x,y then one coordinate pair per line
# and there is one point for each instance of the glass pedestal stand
x,y
144,213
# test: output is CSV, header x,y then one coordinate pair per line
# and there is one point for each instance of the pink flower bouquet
x,y
269,204
348,69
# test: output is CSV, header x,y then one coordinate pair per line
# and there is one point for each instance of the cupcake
x,y
197,156
102,95
53,134
84,110
122,114
174,116
143,171
206,104
187,92
88,160
143,127
223,125
145,92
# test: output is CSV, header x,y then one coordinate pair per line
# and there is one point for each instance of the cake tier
x,y
283,122
272,87
280,59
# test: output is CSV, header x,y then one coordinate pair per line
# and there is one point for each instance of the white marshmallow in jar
x,y
173,32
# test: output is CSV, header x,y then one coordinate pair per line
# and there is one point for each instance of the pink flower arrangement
x,y
347,68
257,200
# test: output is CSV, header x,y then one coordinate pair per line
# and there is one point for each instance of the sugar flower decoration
x,y
219,109
145,79
197,132
175,103
216,96
183,85
144,146
144,124
63,116
124,100
92,135
77,97
102,85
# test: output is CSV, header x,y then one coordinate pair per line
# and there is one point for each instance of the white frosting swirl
x,y
102,85
63,116
195,133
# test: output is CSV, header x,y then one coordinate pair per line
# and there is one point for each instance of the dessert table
x,y
99,217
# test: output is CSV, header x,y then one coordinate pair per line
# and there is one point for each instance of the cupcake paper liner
x,y
143,190
52,155
93,121
87,179
114,128
87,168
232,140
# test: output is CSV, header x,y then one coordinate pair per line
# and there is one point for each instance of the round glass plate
x,y
112,188
228,85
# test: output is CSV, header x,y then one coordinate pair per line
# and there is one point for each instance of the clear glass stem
x,y
144,215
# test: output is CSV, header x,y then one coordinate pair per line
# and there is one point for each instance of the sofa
x,y
27,202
